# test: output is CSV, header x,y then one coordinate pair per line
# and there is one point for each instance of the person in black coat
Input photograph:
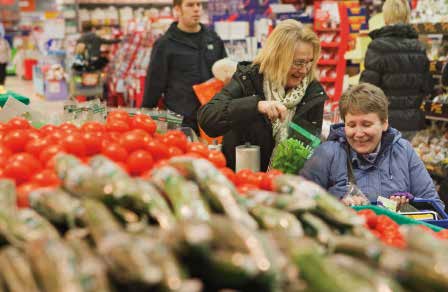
x,y
396,61
263,97
181,58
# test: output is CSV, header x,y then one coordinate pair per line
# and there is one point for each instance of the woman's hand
x,y
400,200
273,109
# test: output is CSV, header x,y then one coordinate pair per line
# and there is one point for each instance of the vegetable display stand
x,y
400,219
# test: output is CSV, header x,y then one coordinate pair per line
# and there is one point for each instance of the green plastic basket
x,y
400,219
9,93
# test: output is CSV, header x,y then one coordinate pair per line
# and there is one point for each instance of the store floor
x,y
26,88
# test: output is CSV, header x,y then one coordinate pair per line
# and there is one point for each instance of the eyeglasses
x,y
300,64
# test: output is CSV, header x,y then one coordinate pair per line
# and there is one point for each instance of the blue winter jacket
x,y
397,168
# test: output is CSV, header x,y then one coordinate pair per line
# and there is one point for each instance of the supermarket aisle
x,y
26,88
23,87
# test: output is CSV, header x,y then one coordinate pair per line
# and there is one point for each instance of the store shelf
x,y
431,28
134,2
328,80
327,29
330,45
328,62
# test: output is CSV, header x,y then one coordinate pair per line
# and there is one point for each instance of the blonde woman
x,y
263,97
396,62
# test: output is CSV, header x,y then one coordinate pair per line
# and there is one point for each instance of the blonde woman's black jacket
x,y
233,113
396,62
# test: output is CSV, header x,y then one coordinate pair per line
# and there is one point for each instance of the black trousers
x,y
2,73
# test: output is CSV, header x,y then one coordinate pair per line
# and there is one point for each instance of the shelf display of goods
x,y
431,146
119,207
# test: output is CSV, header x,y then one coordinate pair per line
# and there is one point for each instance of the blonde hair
x,y
277,55
364,98
396,11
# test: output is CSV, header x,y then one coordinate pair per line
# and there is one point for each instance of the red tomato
x,y
230,174
247,176
49,152
193,154
139,161
175,138
114,151
93,127
119,115
157,149
2,173
2,134
113,136
56,136
3,160
23,193
74,144
199,148
93,142
46,178
34,134
28,160
68,127
16,140
217,158
51,164
117,126
144,122
4,151
244,188
17,171
174,151
267,179
4,127
47,129
18,123
35,147
134,140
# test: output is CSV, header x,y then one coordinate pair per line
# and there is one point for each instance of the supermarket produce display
x,y
132,215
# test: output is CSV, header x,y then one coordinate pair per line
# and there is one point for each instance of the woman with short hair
x,y
396,61
263,97
366,149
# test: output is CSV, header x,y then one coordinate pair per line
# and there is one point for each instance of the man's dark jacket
x,y
234,113
396,62
177,63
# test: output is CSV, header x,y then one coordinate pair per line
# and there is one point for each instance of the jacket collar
x,y
175,34
396,30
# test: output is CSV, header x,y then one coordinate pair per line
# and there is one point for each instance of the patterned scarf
x,y
289,99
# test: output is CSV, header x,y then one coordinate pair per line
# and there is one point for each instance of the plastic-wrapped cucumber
x,y
98,219
273,219
246,259
174,278
317,228
216,188
76,177
184,195
16,271
380,281
326,205
8,205
424,242
322,275
92,271
417,272
106,169
150,201
287,202
27,226
54,265
125,259
56,205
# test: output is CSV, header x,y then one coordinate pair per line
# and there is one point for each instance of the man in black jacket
x,y
180,59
